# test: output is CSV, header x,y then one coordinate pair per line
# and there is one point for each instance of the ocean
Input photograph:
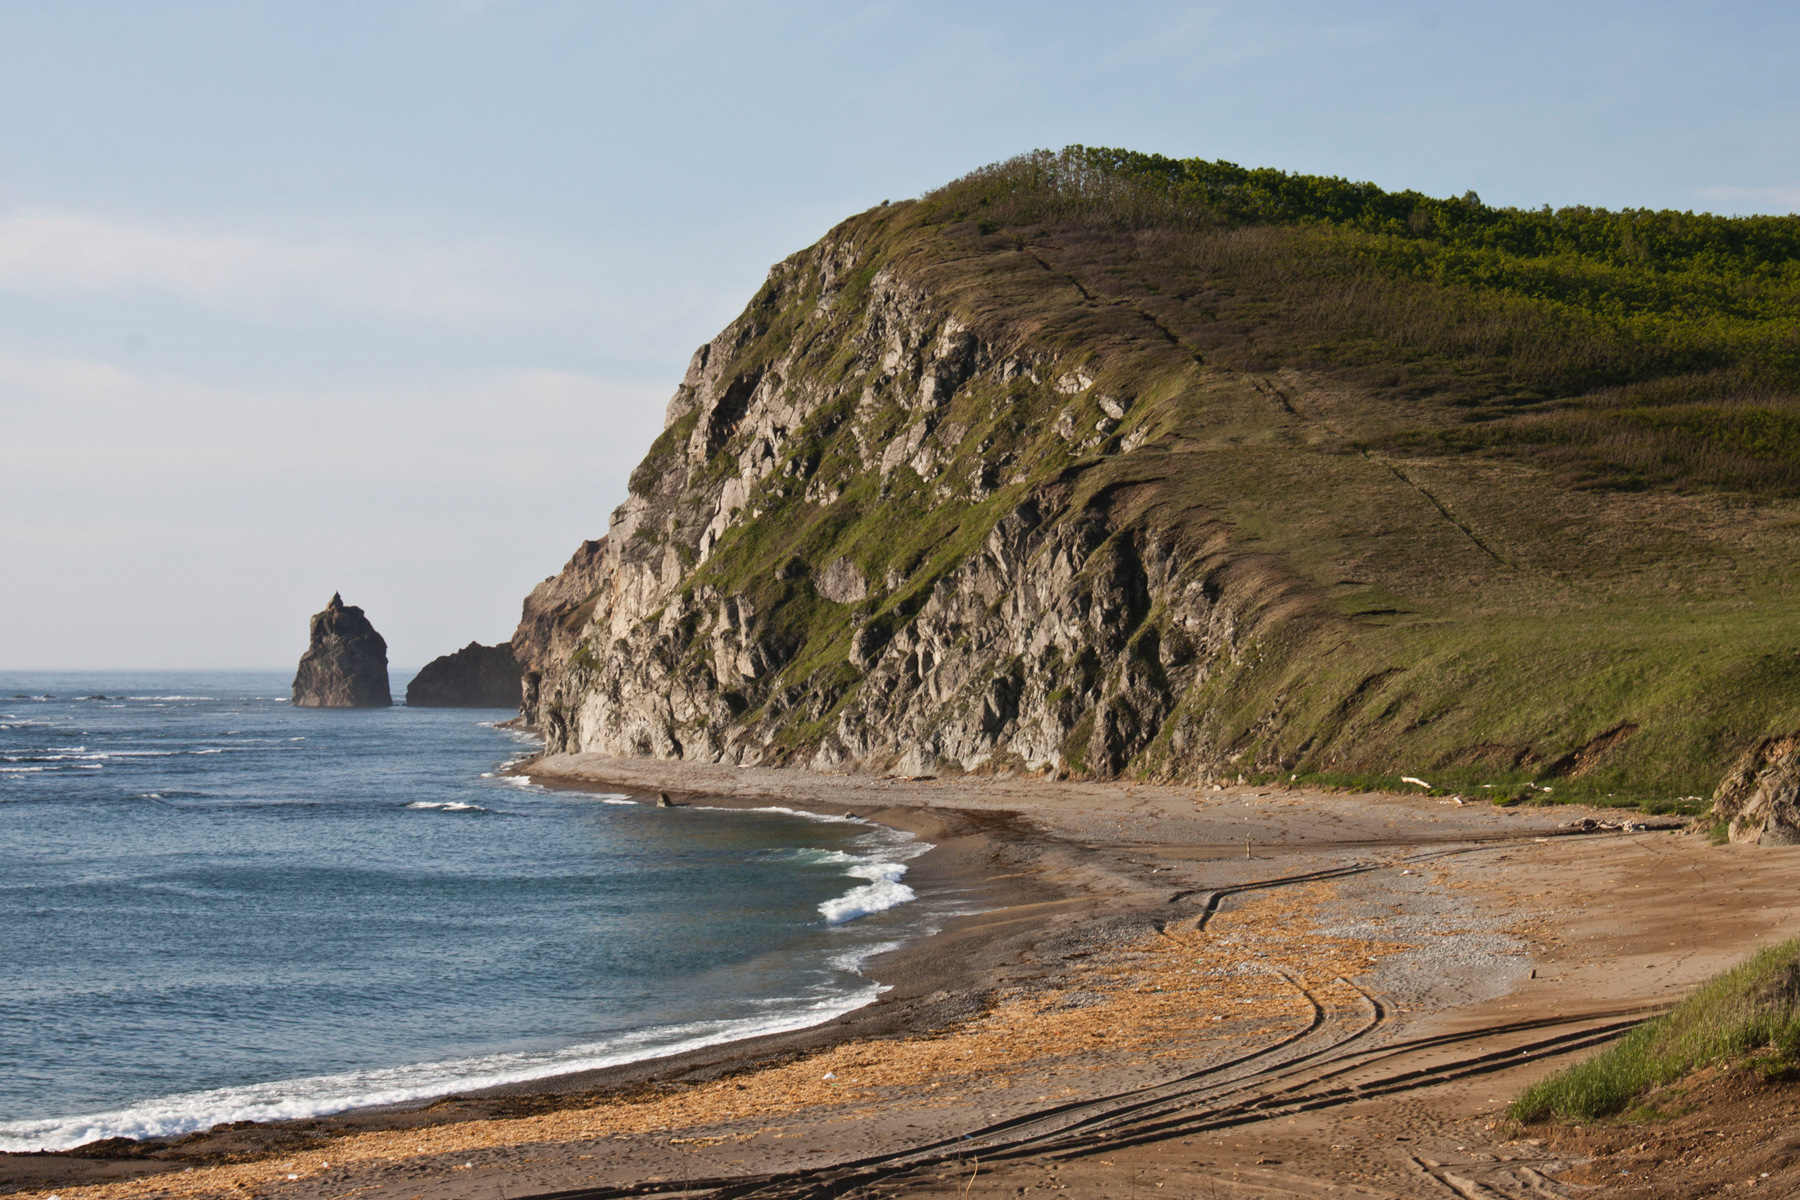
x,y
216,907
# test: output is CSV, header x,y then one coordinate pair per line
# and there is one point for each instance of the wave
x,y
853,960
447,806
846,819
321,1095
883,891
884,868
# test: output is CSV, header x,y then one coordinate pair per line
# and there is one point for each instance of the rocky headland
x,y
476,676
345,664
1047,472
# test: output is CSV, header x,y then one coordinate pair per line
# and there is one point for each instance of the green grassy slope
x,y
1528,480
1750,1015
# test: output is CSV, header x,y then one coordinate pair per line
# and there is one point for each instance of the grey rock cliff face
x,y
553,618
345,666
476,676
1760,796
1065,638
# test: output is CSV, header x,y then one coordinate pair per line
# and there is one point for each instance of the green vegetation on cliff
x,y
1172,468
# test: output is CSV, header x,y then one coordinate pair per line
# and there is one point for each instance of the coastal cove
x,y
227,909
1127,948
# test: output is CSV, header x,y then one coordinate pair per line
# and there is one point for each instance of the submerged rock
x,y
346,664
476,676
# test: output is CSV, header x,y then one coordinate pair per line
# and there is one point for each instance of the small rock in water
x,y
476,676
663,801
345,666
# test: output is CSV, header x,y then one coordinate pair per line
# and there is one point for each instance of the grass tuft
x,y
1749,1014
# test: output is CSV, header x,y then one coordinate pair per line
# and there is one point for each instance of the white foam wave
x,y
791,812
883,891
852,960
295,1099
883,868
447,806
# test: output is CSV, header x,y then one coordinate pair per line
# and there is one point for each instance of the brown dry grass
x,y
1181,994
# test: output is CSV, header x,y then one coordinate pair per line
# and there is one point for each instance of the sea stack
x,y
476,676
346,664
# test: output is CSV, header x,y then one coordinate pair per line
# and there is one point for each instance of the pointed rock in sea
x,y
345,665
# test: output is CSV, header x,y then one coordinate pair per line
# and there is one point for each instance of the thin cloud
x,y
50,254
73,422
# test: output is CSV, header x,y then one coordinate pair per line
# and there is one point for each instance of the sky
x,y
388,298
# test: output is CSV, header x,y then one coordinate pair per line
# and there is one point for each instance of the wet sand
x,y
1434,959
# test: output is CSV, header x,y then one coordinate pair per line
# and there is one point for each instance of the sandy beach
x,y
1234,991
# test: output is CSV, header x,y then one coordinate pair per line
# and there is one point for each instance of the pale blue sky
x,y
388,297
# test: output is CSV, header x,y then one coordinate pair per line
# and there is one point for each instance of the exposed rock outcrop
x,y
476,676
345,665
964,490
842,582
1067,637
1760,797
552,620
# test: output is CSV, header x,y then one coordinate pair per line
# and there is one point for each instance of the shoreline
x,y
928,983
1079,984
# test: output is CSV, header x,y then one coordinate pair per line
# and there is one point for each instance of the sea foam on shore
x,y
323,1095
356,908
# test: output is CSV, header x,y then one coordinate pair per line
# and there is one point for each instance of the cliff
x,y
476,676
345,664
555,615
1094,464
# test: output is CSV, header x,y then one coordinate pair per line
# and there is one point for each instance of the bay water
x,y
217,907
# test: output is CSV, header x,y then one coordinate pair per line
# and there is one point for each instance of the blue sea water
x,y
217,907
